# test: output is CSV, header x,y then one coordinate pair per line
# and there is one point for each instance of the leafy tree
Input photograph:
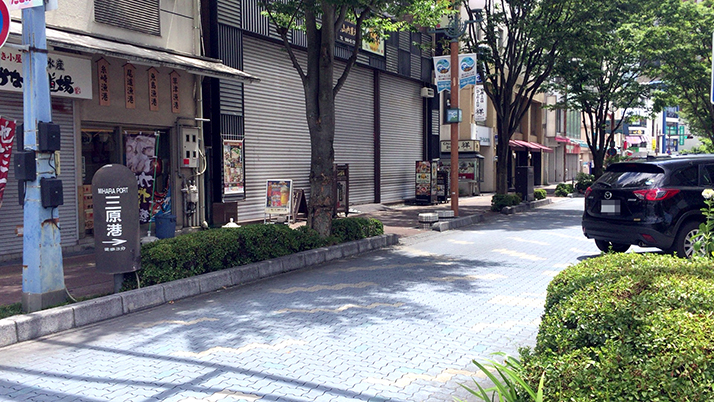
x,y
321,20
601,69
519,43
681,45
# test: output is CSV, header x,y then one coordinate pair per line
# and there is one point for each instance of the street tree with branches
x,y
321,20
518,43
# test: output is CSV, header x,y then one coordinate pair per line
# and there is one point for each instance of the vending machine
x,y
425,181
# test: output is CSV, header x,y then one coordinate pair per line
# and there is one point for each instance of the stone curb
x,y
46,322
455,223
525,206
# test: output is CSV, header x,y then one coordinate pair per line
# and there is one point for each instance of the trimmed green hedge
x,y
500,201
212,250
540,194
563,189
627,327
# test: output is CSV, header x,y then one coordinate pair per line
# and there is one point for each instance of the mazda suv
x,y
653,202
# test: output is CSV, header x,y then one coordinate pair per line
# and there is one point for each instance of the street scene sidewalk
x,y
83,280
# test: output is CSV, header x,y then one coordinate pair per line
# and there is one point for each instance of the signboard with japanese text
x,y
464,146
103,78
480,103
467,70
129,86
116,220
370,41
442,68
153,89
278,197
20,4
70,77
468,74
140,159
7,135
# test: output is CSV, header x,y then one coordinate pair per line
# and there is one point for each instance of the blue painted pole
x,y
42,270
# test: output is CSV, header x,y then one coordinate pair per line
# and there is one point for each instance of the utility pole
x,y
42,271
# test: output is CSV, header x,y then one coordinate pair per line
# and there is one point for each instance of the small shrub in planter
x,y
540,194
500,201
563,189
348,229
583,181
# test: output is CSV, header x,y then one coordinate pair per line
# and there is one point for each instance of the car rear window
x,y
631,175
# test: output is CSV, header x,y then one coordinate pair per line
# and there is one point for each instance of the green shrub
x,y
563,189
627,327
348,229
540,194
212,250
583,181
500,201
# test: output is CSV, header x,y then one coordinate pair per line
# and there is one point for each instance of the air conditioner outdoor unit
x,y
427,92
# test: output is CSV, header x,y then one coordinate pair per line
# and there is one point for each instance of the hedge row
x,y
212,250
627,327
500,201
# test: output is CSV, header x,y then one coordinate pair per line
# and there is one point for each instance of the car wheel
x,y
606,246
687,236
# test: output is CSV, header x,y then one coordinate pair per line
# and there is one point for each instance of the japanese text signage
x,y
464,146
7,135
116,220
70,77
467,71
371,42
278,197
20,4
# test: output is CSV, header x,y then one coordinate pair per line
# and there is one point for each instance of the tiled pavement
x,y
400,324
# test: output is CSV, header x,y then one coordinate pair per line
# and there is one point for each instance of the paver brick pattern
x,y
401,324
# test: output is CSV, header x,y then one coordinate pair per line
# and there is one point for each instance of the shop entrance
x,y
144,152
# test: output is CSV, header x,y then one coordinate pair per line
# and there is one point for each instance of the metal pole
x,y
42,275
454,179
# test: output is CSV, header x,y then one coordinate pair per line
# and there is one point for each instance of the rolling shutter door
x,y
11,212
354,138
402,140
277,139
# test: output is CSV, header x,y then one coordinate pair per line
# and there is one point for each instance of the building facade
x,y
125,84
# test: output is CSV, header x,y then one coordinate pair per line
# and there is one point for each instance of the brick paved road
x,y
400,325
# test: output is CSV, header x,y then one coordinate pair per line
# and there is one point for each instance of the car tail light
x,y
588,191
656,194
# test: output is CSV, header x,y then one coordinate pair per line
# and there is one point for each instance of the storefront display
x,y
425,181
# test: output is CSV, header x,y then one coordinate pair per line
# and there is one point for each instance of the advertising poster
x,y
233,182
278,197
423,178
479,103
140,154
7,135
467,71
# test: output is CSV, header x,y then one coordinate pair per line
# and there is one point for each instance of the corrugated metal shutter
x,y
11,212
354,132
229,12
402,141
136,15
231,97
277,140
392,56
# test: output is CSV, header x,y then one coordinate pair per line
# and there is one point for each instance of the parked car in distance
x,y
653,202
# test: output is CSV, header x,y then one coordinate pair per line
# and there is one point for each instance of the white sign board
x,y
70,77
480,104
20,4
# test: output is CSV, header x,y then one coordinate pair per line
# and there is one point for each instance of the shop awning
x,y
634,139
562,139
526,145
154,57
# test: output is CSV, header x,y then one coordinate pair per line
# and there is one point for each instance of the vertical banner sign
x,y
129,83
175,101
140,156
442,68
467,70
116,220
153,89
232,167
7,135
103,79
278,197
4,22
479,103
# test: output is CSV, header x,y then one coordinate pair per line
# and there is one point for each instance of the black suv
x,y
653,202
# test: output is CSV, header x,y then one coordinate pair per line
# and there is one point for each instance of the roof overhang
x,y
192,64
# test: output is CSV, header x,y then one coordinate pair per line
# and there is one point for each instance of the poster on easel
x,y
278,197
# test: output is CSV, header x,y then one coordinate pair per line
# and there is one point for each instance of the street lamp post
x,y
454,30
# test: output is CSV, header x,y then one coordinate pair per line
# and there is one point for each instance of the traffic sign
x,y
4,22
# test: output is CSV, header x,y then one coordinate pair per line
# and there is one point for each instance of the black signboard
x,y
116,220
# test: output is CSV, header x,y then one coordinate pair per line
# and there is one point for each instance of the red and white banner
x,y
7,136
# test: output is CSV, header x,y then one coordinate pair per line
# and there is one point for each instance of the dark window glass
x,y
687,176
